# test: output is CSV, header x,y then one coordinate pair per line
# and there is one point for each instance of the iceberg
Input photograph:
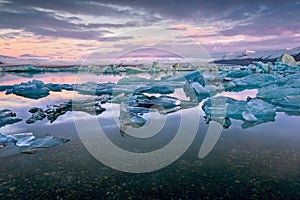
x,y
238,73
277,92
93,88
8,117
133,109
263,67
195,87
154,89
287,59
281,92
91,106
23,68
253,110
244,71
251,82
131,119
34,89
30,69
162,103
292,102
194,76
133,80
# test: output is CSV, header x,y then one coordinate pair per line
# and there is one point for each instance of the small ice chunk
x,y
249,116
37,114
91,106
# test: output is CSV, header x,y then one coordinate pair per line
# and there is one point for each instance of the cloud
x,y
216,25
60,19
180,27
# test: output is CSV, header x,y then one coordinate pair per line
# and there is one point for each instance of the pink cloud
x,y
180,27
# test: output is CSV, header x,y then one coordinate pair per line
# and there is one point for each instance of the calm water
x,y
260,162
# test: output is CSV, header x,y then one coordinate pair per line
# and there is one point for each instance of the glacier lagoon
x,y
256,154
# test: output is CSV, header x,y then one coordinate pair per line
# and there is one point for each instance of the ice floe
x,y
8,117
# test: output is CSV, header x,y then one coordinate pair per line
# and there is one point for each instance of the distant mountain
x,y
247,57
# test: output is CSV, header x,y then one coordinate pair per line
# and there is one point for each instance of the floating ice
x,y
8,117
288,59
194,76
93,88
133,109
162,103
131,119
253,110
238,73
277,92
133,80
251,82
34,89
91,106
33,69
154,89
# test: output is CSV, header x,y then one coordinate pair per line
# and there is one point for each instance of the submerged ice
x,y
27,142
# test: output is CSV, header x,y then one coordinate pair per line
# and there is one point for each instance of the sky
x,y
103,31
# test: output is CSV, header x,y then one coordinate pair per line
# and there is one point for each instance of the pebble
x,y
29,151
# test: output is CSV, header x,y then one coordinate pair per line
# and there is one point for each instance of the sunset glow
x,y
72,31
